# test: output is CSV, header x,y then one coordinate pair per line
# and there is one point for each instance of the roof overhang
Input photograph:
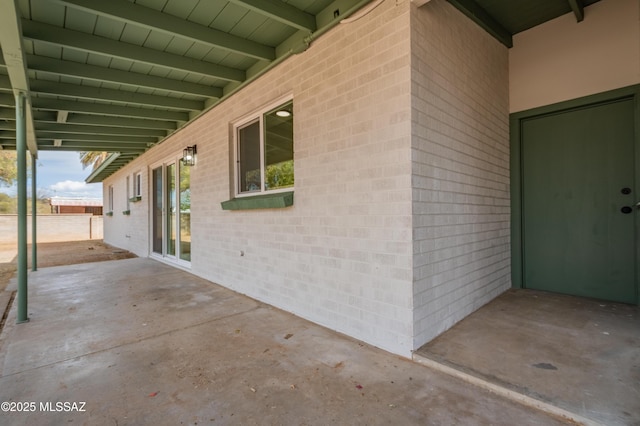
x,y
120,76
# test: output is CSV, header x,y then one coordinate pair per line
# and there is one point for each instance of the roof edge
x,y
93,177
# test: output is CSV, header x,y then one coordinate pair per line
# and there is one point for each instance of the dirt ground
x,y
60,253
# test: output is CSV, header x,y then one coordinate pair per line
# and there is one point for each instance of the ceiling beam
x,y
96,73
83,146
5,83
578,9
103,46
9,114
152,19
62,116
110,95
9,135
103,109
96,138
480,16
114,121
13,58
7,101
282,12
96,130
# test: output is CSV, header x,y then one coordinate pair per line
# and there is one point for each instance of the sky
x,y
60,174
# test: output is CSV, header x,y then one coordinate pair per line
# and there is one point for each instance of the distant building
x,y
62,205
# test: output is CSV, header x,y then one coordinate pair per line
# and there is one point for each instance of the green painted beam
x,y
5,83
480,16
102,120
110,95
7,100
78,146
103,46
13,58
282,12
103,109
96,73
9,114
578,9
94,130
96,138
152,19
327,18
99,142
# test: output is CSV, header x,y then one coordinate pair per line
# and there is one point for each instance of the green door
x,y
577,178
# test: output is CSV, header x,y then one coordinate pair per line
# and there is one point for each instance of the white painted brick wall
x,y
342,255
400,225
128,231
460,155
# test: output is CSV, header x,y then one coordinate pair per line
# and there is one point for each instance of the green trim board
x,y
517,163
269,201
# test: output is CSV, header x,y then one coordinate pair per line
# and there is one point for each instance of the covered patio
x,y
393,253
141,342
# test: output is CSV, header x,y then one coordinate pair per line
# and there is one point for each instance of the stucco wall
x,y
341,256
460,155
562,60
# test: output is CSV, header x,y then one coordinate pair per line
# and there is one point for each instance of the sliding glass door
x,y
184,220
171,211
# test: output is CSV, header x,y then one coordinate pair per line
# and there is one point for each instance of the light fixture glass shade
x,y
189,156
283,113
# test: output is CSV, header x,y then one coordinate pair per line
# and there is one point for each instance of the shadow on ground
x,y
580,354
57,254
143,343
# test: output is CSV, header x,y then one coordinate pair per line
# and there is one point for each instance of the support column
x,y
34,215
21,148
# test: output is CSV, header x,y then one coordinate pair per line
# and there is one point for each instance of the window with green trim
x,y
110,199
137,184
264,151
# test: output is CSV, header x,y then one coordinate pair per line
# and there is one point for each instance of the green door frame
x,y
515,121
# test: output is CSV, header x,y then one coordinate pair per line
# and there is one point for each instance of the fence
x,y
53,228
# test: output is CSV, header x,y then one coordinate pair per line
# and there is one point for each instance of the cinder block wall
x,y
341,256
460,155
53,228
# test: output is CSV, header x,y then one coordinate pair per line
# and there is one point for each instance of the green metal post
x,y
21,147
34,216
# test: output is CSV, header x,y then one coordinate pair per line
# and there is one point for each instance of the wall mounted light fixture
x,y
189,156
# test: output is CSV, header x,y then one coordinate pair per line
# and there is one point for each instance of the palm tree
x,y
92,158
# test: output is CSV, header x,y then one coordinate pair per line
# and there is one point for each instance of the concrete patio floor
x,y
140,342
579,354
